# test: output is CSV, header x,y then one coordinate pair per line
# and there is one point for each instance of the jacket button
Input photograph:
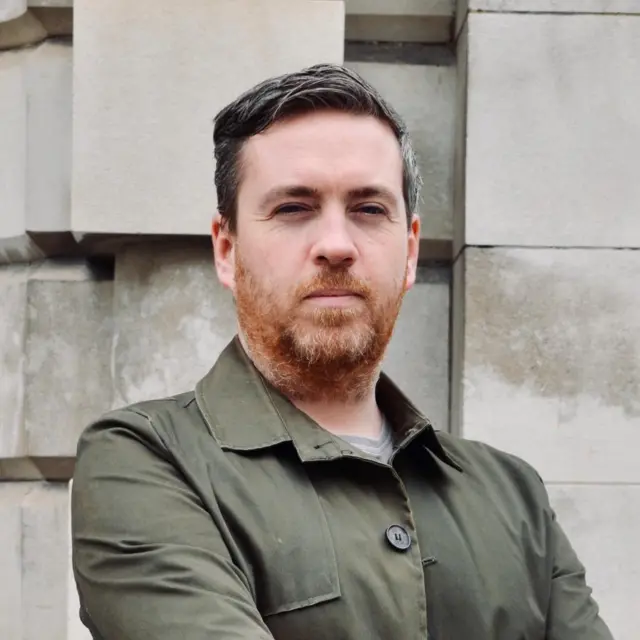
x,y
398,537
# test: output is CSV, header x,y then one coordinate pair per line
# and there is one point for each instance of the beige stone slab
x,y
418,355
48,80
21,31
552,130
12,9
428,109
553,6
68,353
603,524
13,314
143,132
45,549
11,593
13,147
547,358
55,343
171,320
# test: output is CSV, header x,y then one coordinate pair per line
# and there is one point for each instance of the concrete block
x,y
418,355
13,316
55,337
400,21
552,6
547,358
11,592
34,562
430,116
603,524
172,319
142,132
13,151
12,9
45,549
48,78
35,155
21,31
553,130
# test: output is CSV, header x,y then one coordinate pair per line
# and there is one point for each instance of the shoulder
x,y
159,423
497,471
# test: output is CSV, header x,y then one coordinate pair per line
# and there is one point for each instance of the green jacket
x,y
227,514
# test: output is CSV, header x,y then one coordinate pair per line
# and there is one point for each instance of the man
x,y
296,493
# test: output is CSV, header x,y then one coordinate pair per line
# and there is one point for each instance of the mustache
x,y
342,280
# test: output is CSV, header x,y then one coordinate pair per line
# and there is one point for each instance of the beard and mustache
x,y
311,352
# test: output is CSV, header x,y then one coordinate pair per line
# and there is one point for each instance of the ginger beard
x,y
311,352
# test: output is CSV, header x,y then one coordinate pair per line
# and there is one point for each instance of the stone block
x,y
55,337
35,157
22,31
172,319
49,90
428,110
418,355
34,562
11,497
142,145
12,9
547,358
400,21
603,524
552,130
13,152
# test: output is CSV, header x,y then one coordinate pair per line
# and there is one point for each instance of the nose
x,y
334,244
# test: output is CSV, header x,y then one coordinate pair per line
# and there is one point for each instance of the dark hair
x,y
323,86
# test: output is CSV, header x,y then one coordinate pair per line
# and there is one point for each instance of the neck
x,y
356,415
360,418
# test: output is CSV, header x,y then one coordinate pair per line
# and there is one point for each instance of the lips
x,y
332,293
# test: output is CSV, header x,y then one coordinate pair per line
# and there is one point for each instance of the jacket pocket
x,y
277,521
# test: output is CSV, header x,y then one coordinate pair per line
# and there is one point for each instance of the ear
x,y
413,247
224,243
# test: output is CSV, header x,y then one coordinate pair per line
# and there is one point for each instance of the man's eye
x,y
371,210
291,209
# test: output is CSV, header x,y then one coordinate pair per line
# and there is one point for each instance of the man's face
x,y
322,253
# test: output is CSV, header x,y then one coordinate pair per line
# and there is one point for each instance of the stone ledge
x,y
366,20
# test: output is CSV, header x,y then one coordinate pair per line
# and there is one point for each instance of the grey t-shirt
x,y
380,448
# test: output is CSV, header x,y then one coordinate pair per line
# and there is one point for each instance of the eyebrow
x,y
300,191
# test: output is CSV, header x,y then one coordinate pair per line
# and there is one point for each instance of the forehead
x,y
326,148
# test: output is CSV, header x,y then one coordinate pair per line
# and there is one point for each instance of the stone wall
x,y
523,330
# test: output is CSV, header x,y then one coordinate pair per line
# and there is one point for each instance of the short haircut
x,y
322,86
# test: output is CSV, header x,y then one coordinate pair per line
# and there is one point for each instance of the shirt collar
x,y
244,413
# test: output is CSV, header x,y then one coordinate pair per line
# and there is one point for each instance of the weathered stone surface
x,y
551,6
603,524
34,562
547,358
13,150
11,9
553,130
45,544
172,319
428,111
142,132
48,79
68,351
13,315
55,342
11,497
418,355
35,154
403,21
21,31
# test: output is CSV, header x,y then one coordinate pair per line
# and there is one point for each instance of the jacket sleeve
x,y
573,613
148,560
